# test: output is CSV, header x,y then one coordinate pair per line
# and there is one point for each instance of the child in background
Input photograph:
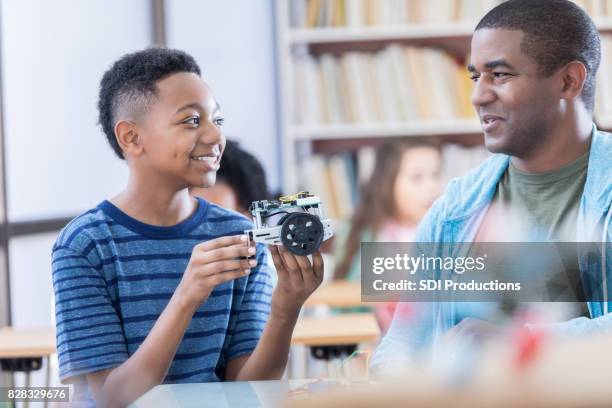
x,y
241,179
404,183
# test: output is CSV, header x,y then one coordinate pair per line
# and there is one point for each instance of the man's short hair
x,y
128,88
556,32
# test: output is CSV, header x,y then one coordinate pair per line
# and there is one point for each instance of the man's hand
x,y
212,263
297,279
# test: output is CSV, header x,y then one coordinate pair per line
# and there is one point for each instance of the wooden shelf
x,y
381,33
335,35
403,129
603,24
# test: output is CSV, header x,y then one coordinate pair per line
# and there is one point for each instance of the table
x,y
219,395
347,328
563,372
20,343
333,337
24,349
337,294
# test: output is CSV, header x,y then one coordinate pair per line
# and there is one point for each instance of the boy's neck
x,y
153,205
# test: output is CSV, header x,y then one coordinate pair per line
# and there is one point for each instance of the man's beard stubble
x,y
523,137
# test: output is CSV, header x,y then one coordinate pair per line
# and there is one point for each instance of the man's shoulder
x,y
607,136
598,187
602,145
81,230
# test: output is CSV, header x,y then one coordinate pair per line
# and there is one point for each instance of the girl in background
x,y
403,185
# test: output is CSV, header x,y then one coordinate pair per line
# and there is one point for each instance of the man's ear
x,y
126,133
574,75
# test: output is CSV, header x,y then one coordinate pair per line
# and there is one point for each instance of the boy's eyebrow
x,y
492,64
198,106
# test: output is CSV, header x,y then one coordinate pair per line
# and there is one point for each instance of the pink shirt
x,y
394,232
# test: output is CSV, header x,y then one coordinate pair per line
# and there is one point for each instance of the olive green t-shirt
x,y
547,203
539,207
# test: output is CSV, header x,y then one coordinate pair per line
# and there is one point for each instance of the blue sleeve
x,y
254,309
88,328
583,326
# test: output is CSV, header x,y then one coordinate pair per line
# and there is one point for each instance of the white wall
x,y
31,287
233,42
57,159
53,56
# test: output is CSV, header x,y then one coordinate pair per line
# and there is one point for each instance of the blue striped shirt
x,y
113,276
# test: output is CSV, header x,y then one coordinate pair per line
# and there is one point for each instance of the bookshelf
x,y
309,31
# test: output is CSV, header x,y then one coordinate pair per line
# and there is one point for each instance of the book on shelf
x,y
366,159
396,84
308,109
458,160
603,93
333,179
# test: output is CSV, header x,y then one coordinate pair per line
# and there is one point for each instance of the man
x,y
533,64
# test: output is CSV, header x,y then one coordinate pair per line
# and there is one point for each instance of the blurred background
x,y
363,102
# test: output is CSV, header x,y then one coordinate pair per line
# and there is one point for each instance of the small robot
x,y
296,222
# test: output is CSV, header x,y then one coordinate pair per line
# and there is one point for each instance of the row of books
x,y
397,84
360,13
338,178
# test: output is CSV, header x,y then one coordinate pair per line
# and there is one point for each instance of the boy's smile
x,y
182,140
209,161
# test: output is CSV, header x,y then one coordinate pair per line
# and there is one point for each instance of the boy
x,y
153,285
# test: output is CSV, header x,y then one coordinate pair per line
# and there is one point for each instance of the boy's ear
x,y
128,138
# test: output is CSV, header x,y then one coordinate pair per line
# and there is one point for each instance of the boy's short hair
x,y
555,32
129,87
242,171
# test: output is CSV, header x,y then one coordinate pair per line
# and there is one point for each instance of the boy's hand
x,y
212,263
297,279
